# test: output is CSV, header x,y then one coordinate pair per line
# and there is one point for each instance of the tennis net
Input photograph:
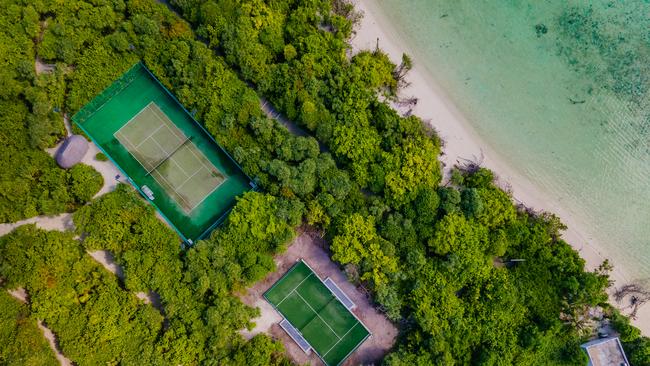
x,y
169,155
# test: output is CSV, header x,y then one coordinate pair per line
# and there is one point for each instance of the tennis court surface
x,y
164,152
170,157
317,318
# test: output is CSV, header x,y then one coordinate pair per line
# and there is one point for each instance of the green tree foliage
x,y
358,243
31,120
21,342
440,241
94,319
195,288
295,55
97,317
242,250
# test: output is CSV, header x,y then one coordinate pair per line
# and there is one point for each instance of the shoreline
x,y
461,142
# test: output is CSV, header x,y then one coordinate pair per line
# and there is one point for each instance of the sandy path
x,y
106,168
42,67
51,339
22,296
462,142
310,248
106,259
60,222
272,113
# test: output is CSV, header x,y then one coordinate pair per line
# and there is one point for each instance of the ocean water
x,y
560,90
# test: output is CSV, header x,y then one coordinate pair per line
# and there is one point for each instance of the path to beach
x,y
461,142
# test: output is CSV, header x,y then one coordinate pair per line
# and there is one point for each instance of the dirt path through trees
x,y
60,222
21,295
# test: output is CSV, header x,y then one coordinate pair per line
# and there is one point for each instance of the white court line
x,y
169,155
166,121
318,315
340,339
169,185
188,178
179,166
293,289
209,193
196,172
150,136
175,189
130,153
135,147
176,132
182,138
132,118
201,161
125,138
209,170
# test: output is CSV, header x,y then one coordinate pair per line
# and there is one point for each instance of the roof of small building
x,y
71,151
606,352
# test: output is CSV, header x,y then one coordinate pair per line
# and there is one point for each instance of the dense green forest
x,y
30,181
435,257
22,342
96,316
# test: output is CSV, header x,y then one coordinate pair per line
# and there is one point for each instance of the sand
x,y
461,142
62,222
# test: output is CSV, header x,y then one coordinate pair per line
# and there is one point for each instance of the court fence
x,y
105,98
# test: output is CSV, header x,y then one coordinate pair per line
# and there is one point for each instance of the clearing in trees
x,y
315,316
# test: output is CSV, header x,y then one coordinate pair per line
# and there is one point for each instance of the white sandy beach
x,y
462,142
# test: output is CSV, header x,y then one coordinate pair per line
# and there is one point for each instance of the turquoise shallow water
x,y
559,89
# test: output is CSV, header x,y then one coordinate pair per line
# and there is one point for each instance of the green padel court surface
x,y
322,320
150,136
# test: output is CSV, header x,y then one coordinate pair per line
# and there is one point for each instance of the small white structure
x,y
296,336
339,294
147,192
71,151
605,352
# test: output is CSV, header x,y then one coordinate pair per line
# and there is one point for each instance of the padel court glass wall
x,y
165,153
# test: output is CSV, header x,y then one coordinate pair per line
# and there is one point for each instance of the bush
x,y
101,157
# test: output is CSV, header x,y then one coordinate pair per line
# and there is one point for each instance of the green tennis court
x,y
316,315
164,152
170,157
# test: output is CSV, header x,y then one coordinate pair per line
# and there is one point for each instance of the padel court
x,y
164,152
315,315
